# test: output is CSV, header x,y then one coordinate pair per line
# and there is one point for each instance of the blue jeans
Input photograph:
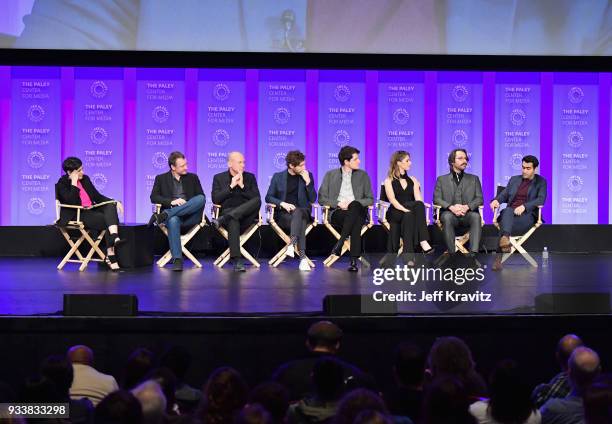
x,y
185,215
511,224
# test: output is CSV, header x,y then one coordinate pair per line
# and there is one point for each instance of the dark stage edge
x,y
33,286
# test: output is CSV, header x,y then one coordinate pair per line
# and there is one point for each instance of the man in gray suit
x,y
460,195
348,191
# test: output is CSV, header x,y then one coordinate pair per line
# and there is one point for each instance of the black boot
x,y
177,264
161,218
152,220
157,219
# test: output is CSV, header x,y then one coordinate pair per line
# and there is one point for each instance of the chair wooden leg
x,y
250,258
95,245
331,259
192,258
279,257
94,248
517,243
164,259
460,243
225,256
222,259
186,238
73,249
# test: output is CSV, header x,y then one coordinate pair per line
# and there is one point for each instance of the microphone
x,y
288,19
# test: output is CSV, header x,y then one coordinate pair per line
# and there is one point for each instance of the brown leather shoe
x,y
504,244
497,265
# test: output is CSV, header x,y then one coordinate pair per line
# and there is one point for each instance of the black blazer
x,y
162,188
68,194
277,192
229,198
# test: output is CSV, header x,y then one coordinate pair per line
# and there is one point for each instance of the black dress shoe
x,y
239,266
337,250
177,264
152,220
160,218
218,222
353,265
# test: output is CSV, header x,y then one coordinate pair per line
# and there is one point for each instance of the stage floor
x,y
32,286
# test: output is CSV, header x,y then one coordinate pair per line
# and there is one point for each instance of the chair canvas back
x,y
383,194
500,188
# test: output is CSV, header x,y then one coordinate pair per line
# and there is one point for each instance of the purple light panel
x,y
123,123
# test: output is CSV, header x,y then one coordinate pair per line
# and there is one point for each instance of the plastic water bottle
x,y
545,257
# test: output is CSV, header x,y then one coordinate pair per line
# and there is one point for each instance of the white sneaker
x,y
291,251
304,266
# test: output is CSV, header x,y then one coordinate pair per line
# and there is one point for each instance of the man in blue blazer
x,y
523,194
293,193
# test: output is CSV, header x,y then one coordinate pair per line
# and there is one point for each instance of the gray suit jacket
x,y
330,188
471,191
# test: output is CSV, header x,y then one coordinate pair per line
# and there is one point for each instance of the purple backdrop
x,y
282,121
459,118
341,117
517,122
160,114
36,144
221,120
575,148
401,110
123,122
98,127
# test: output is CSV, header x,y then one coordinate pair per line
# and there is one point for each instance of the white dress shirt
x,y
90,383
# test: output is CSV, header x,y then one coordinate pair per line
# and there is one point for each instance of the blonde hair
x,y
396,157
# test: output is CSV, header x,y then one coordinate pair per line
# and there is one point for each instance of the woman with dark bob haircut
x,y
76,188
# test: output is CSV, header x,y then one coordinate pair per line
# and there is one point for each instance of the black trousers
x,y
350,221
296,222
237,220
411,227
100,219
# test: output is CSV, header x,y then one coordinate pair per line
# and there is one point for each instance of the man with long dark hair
x,y
460,195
